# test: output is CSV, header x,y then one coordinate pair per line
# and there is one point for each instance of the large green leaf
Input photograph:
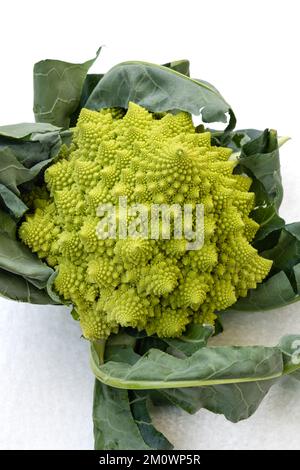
x,y
23,277
286,253
135,427
57,89
158,88
31,143
114,425
259,159
92,79
90,82
25,150
139,403
236,379
235,401
157,369
18,259
26,130
16,287
13,173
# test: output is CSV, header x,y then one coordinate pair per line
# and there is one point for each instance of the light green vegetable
x,y
157,285
149,305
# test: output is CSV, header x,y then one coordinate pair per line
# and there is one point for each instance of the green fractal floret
x,y
154,284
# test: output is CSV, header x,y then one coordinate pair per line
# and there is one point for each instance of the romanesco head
x,y
157,284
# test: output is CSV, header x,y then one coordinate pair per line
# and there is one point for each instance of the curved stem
x,y
99,347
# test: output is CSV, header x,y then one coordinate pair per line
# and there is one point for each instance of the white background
x,y
250,51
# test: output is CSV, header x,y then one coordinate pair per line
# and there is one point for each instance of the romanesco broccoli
x,y
156,285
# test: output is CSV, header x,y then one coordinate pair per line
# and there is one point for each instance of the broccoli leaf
x,y
26,130
235,401
58,87
25,150
23,276
260,157
158,88
11,202
13,173
16,287
206,366
31,143
8,224
286,253
92,79
18,259
236,379
114,425
139,403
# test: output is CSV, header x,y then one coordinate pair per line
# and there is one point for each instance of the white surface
x,y
249,50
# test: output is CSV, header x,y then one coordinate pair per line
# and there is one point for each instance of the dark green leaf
x,y
13,173
25,150
38,148
7,224
90,82
235,139
18,259
121,352
235,401
158,88
26,129
139,403
12,203
16,287
57,89
237,380
269,221
207,366
260,159
75,314
286,253
115,427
